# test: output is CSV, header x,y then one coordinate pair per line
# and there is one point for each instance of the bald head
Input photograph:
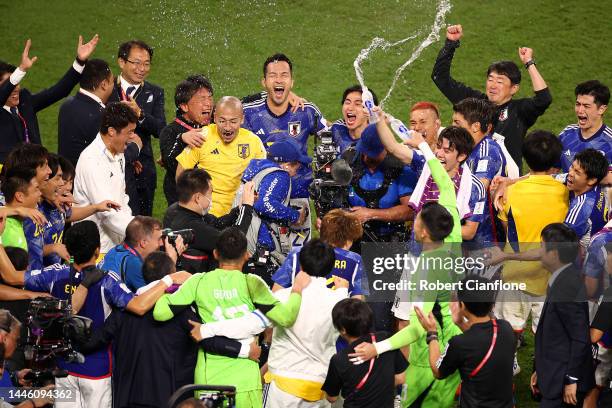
x,y
228,117
229,103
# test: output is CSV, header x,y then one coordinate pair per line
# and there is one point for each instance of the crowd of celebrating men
x,y
232,288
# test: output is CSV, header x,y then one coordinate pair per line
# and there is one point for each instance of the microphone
x,y
341,172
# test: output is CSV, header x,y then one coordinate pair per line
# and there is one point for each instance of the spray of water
x,y
443,8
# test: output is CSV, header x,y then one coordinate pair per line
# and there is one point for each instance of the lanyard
x,y
183,124
365,378
488,355
25,127
126,246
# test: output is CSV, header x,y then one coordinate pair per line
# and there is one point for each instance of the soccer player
x,y
436,223
513,117
425,119
452,149
347,131
592,98
227,293
91,380
227,150
272,119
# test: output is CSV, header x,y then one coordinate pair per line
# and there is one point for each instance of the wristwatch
x,y
530,63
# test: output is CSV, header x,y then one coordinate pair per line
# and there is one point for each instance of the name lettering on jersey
x,y
69,289
216,151
503,115
339,264
225,294
244,150
294,128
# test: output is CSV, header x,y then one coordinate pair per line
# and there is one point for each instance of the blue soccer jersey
x,y
341,136
61,281
587,213
54,230
487,160
480,213
34,234
269,127
573,142
348,265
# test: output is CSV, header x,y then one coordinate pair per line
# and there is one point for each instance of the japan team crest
x,y
503,115
295,128
244,151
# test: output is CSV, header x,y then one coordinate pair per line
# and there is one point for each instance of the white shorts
x,y
515,307
85,393
277,398
604,368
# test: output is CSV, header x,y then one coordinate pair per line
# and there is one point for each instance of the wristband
x,y
382,346
167,280
431,338
432,333
80,61
530,63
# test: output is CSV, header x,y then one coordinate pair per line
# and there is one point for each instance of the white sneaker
x,y
397,402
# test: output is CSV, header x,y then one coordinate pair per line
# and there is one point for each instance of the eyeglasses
x,y
140,64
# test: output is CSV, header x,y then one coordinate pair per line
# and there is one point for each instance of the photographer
x,y
380,189
91,380
10,329
143,235
194,190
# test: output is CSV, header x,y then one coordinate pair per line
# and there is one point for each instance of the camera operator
x,y
271,177
143,235
194,191
380,189
10,329
91,380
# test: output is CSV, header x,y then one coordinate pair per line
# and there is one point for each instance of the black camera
x,y
332,176
172,235
51,331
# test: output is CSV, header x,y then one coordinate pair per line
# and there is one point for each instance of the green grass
x,y
228,41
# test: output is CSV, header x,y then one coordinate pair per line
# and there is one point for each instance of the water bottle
x,y
399,128
368,103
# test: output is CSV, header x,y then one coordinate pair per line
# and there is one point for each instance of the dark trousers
x,y
141,188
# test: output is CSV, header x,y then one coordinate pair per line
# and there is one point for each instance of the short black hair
x,y
317,258
353,316
18,257
479,302
541,150
458,139
476,110
187,88
599,92
594,163
82,240
6,68
357,88
157,265
17,180
437,220
126,47
95,72
54,164
190,182
118,116
507,68
276,58
562,238
28,155
140,227
67,168
232,244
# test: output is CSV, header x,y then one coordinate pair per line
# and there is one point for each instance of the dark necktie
x,y
17,115
130,90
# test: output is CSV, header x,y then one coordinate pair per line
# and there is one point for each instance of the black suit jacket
x,y
562,341
11,128
78,124
150,98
